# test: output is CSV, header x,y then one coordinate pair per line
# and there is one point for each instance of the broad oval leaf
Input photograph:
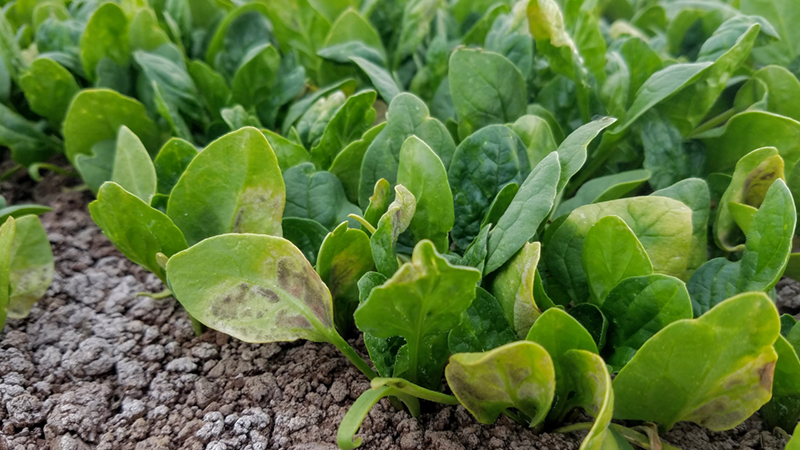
x,y
30,266
513,288
256,288
347,164
715,371
602,189
170,163
139,231
133,169
483,326
348,124
639,307
49,89
518,375
234,185
611,253
105,37
315,195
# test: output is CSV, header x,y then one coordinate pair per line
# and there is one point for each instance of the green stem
x,y
713,122
363,222
8,173
351,354
639,439
346,435
198,327
33,170
574,427
410,388
166,293
78,188
516,418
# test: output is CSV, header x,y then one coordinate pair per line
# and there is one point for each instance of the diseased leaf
x,y
638,308
137,230
486,88
783,409
392,223
407,115
513,288
344,258
611,253
256,288
426,298
559,333
518,375
424,175
690,372
30,269
233,186
483,326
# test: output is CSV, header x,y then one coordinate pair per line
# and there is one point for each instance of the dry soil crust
x,y
94,366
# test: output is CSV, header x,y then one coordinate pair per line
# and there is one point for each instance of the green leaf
x,y
766,255
601,189
510,36
298,26
794,442
662,225
344,257
426,298
133,170
424,175
486,88
589,316
316,195
525,214
211,86
6,241
105,37
378,203
313,122
483,164
690,372
145,32
382,352
407,115
500,204
349,26
287,152
483,326
754,174
254,80
233,186
256,288
49,88
593,392
301,106
18,211
27,140
347,164
611,253
513,288
241,33
781,14
519,375
783,410
31,267
638,308
349,123
773,89
96,169
559,333
170,163
392,223
174,83
536,134
96,115
381,78
572,151
137,230
306,234
475,254
694,193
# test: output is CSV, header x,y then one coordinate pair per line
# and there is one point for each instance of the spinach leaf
x,y
30,269
316,195
105,37
170,163
483,326
513,288
349,123
601,189
49,88
392,223
133,169
783,409
306,234
6,241
347,164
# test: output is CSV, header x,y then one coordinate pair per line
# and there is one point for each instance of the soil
x,y
96,367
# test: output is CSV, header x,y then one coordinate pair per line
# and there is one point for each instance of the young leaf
x,y
256,288
518,375
662,225
407,115
783,409
314,121
31,268
133,169
486,88
638,307
254,80
690,372
392,223
536,134
426,298
513,287
378,203
344,257
525,214
233,186
6,241
316,195
299,108
105,37
348,124
483,326
559,333
211,85
170,163
49,89
694,193
137,230
347,164
482,165
612,253
424,175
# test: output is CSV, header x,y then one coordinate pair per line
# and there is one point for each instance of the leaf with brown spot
x,y
233,186
257,288
715,371
393,222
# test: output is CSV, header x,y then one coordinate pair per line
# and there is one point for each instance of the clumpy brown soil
x,y
94,366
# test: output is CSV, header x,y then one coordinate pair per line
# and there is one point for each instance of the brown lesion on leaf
x,y
766,374
301,282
